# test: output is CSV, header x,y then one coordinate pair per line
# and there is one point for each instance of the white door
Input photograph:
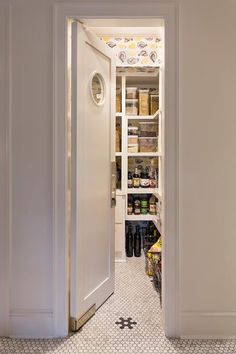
x,y
93,150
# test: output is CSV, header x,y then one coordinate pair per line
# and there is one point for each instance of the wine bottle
x,y
129,242
136,178
137,242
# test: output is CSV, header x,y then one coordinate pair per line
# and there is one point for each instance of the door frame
x,y
171,289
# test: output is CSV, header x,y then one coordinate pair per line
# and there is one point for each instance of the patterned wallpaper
x,y
132,51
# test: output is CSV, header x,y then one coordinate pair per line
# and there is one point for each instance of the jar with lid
x,y
144,205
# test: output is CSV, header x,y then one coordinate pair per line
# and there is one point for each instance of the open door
x,y
93,175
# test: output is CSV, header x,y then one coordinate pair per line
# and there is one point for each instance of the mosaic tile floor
x,y
135,300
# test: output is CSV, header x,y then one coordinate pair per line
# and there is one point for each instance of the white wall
x,y
207,166
207,145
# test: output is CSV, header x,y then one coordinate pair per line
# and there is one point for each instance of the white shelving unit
x,y
148,79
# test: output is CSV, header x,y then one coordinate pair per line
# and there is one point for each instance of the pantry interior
x,y
139,138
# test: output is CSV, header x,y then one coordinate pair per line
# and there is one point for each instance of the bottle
x,y
137,242
118,176
130,180
144,205
144,179
129,240
137,206
136,178
152,180
152,234
130,205
152,205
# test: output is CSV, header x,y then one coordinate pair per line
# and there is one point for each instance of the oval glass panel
x,y
97,89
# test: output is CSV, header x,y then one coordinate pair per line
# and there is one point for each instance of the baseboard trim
x,y
26,323
208,325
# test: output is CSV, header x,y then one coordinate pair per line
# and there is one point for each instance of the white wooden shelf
x,y
118,114
144,154
140,217
153,191
151,117
118,154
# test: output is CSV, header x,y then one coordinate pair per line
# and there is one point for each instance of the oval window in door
x,y
97,88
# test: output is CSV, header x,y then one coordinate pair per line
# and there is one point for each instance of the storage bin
x,y
133,139
154,103
132,148
132,130
118,100
132,106
148,129
143,102
131,92
148,144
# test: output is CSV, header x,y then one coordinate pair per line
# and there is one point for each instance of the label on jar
x,y
144,203
136,182
129,210
152,183
143,211
130,183
144,182
152,209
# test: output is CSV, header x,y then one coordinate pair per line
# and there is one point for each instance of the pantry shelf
x,y
154,116
139,217
118,114
153,191
144,154
118,154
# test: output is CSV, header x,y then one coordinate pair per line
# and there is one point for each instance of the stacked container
x,y
143,102
131,101
148,140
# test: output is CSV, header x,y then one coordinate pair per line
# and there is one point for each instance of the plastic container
x,y
148,144
154,103
118,100
131,92
132,106
132,130
143,102
132,139
148,129
132,148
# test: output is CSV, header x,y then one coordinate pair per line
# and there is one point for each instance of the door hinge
x,y
77,323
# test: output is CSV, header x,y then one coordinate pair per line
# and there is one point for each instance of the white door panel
x,y
92,240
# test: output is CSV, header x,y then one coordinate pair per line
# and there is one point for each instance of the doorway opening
x,y
145,16
124,83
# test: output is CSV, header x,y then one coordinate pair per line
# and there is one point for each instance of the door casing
x,y
171,289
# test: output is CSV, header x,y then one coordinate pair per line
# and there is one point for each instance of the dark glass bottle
x,y
130,180
136,206
130,208
137,242
129,242
136,178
